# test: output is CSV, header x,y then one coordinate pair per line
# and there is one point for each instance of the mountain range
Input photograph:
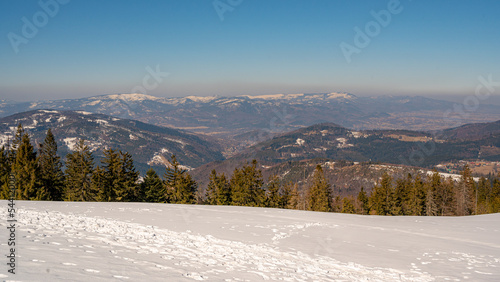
x,y
150,145
328,143
274,129
269,114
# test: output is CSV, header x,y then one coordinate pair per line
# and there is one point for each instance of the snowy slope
x,y
161,242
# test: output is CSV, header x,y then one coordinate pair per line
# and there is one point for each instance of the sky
x,y
58,49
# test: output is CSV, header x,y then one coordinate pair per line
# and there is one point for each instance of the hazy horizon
x,y
69,49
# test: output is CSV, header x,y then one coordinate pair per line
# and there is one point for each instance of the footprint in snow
x,y
92,270
68,263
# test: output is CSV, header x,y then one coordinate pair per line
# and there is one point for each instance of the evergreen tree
x,y
319,193
401,196
180,186
27,173
381,194
286,196
295,199
432,201
417,197
273,192
79,169
16,143
364,207
246,186
347,205
127,178
117,179
465,193
446,198
101,186
495,196
4,174
218,190
51,174
106,178
211,193
483,196
153,188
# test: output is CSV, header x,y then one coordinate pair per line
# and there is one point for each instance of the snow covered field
x,y
160,242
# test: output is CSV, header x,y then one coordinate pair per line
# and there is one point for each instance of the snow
x,y
453,176
132,97
71,142
49,112
202,99
176,141
267,97
83,112
133,137
300,142
101,122
4,139
164,242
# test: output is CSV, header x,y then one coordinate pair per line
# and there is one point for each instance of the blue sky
x,y
89,48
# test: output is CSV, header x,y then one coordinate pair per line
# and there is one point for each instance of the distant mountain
x,y
150,145
474,132
332,142
230,116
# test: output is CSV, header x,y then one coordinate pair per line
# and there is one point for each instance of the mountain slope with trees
x,y
149,145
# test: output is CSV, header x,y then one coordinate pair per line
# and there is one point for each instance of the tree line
x,y
40,176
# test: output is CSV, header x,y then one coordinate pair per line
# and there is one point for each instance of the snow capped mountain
x,y
273,113
144,141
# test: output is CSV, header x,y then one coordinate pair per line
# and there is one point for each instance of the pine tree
x,y
51,174
286,196
27,172
380,198
5,168
246,186
79,169
180,186
483,196
401,191
446,198
153,188
211,193
105,178
295,198
417,197
495,196
223,190
432,196
16,143
218,190
102,187
273,192
127,178
348,205
465,193
319,193
364,207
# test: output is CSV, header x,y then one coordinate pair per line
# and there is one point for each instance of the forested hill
x,y
149,145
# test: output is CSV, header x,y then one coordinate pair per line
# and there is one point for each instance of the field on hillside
x,y
58,241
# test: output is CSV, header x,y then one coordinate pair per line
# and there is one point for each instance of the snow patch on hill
x,y
71,142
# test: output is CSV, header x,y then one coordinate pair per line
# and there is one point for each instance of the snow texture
x,y
59,241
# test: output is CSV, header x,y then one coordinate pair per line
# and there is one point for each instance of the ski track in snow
x,y
87,245
186,251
